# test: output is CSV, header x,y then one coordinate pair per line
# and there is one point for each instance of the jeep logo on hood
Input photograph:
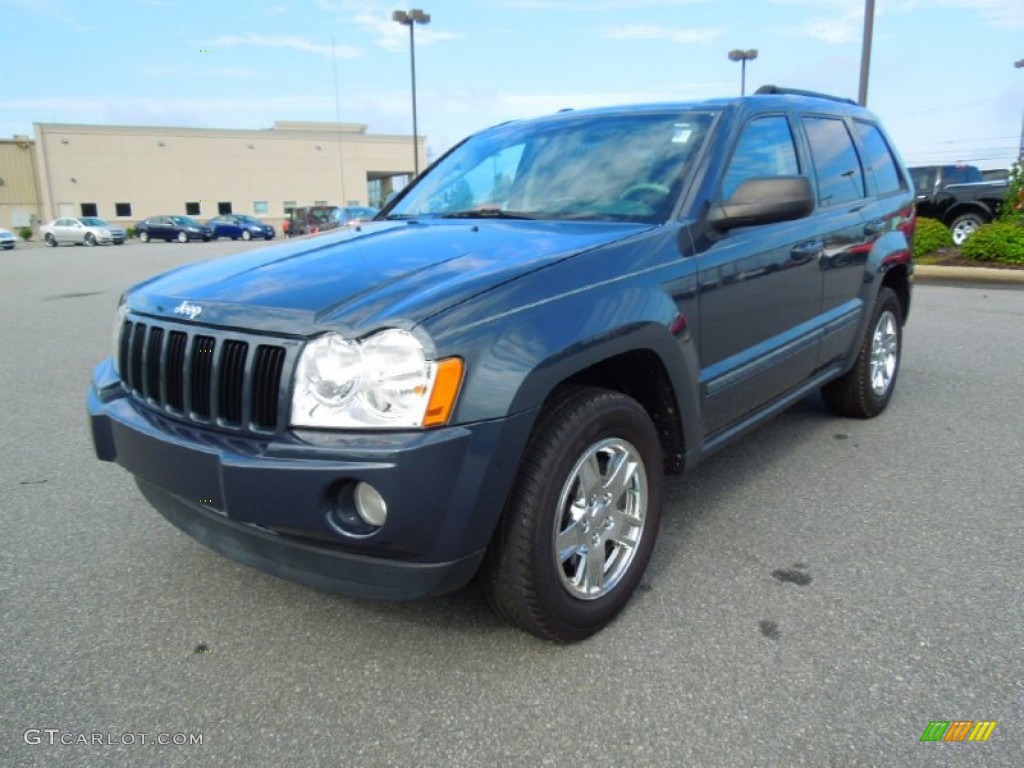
x,y
191,311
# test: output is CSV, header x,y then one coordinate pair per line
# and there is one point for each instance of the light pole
x,y
411,19
1020,151
743,57
865,51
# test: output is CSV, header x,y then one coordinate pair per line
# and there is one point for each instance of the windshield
x,y
598,167
185,221
91,221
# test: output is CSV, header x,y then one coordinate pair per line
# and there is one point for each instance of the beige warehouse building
x,y
19,190
126,173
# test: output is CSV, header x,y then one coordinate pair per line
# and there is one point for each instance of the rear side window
x,y
765,149
836,162
880,159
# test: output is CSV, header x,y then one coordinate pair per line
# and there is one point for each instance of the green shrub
x,y
999,241
129,232
1012,209
25,234
929,236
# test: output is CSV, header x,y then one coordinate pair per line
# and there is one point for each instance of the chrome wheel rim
x,y
885,344
600,518
963,230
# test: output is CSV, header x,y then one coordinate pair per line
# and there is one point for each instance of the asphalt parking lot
x,y
820,592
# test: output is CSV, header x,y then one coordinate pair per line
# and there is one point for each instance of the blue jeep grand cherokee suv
x,y
492,377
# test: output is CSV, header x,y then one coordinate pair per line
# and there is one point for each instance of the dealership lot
x,y
820,592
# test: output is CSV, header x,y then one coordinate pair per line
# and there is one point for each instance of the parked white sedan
x,y
7,239
87,230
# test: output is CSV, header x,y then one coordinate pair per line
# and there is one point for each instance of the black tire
x,y
89,240
143,237
965,225
183,237
526,583
865,390
50,240
246,234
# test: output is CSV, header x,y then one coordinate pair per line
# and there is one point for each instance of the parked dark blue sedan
x,y
237,226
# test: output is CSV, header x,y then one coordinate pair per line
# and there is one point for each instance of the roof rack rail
x,y
777,90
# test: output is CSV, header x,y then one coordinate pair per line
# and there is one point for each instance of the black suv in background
x,y
957,195
492,378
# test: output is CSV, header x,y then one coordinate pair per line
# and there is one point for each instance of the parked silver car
x,y
7,239
87,230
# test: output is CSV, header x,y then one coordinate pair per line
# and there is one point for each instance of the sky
x,y
942,76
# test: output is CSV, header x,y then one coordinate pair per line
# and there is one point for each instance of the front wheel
x,y
864,390
580,523
182,237
51,240
143,237
89,239
965,225
246,234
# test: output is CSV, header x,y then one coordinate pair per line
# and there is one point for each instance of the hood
x,y
394,273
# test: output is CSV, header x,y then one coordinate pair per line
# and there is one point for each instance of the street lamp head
x,y
737,55
1019,64
408,18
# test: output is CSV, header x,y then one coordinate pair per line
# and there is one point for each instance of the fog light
x,y
370,505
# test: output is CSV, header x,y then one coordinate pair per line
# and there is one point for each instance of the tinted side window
x,y
880,160
836,163
960,174
765,149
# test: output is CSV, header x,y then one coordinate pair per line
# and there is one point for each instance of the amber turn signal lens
x,y
446,389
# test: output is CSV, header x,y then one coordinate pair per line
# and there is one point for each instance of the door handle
x,y
805,252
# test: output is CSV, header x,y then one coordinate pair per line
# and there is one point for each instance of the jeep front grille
x,y
229,380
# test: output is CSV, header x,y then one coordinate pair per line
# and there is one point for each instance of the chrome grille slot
x,y
266,384
204,375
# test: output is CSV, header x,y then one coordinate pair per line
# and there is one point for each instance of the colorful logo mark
x,y
958,730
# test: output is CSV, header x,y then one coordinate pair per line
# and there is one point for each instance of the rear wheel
x,y
864,391
580,523
50,240
965,225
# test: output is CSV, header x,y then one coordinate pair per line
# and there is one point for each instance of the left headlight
x,y
381,382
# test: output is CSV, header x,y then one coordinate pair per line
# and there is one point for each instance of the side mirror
x,y
763,201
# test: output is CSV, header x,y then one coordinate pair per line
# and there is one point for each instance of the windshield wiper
x,y
487,213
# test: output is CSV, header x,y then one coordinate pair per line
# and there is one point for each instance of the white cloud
x,y
386,33
654,32
846,28
847,23
287,41
393,36
592,6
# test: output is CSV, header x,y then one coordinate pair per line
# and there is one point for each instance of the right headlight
x,y
381,382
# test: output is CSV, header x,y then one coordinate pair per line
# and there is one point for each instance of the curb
x,y
930,272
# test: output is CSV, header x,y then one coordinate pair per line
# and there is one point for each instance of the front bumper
x,y
272,503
